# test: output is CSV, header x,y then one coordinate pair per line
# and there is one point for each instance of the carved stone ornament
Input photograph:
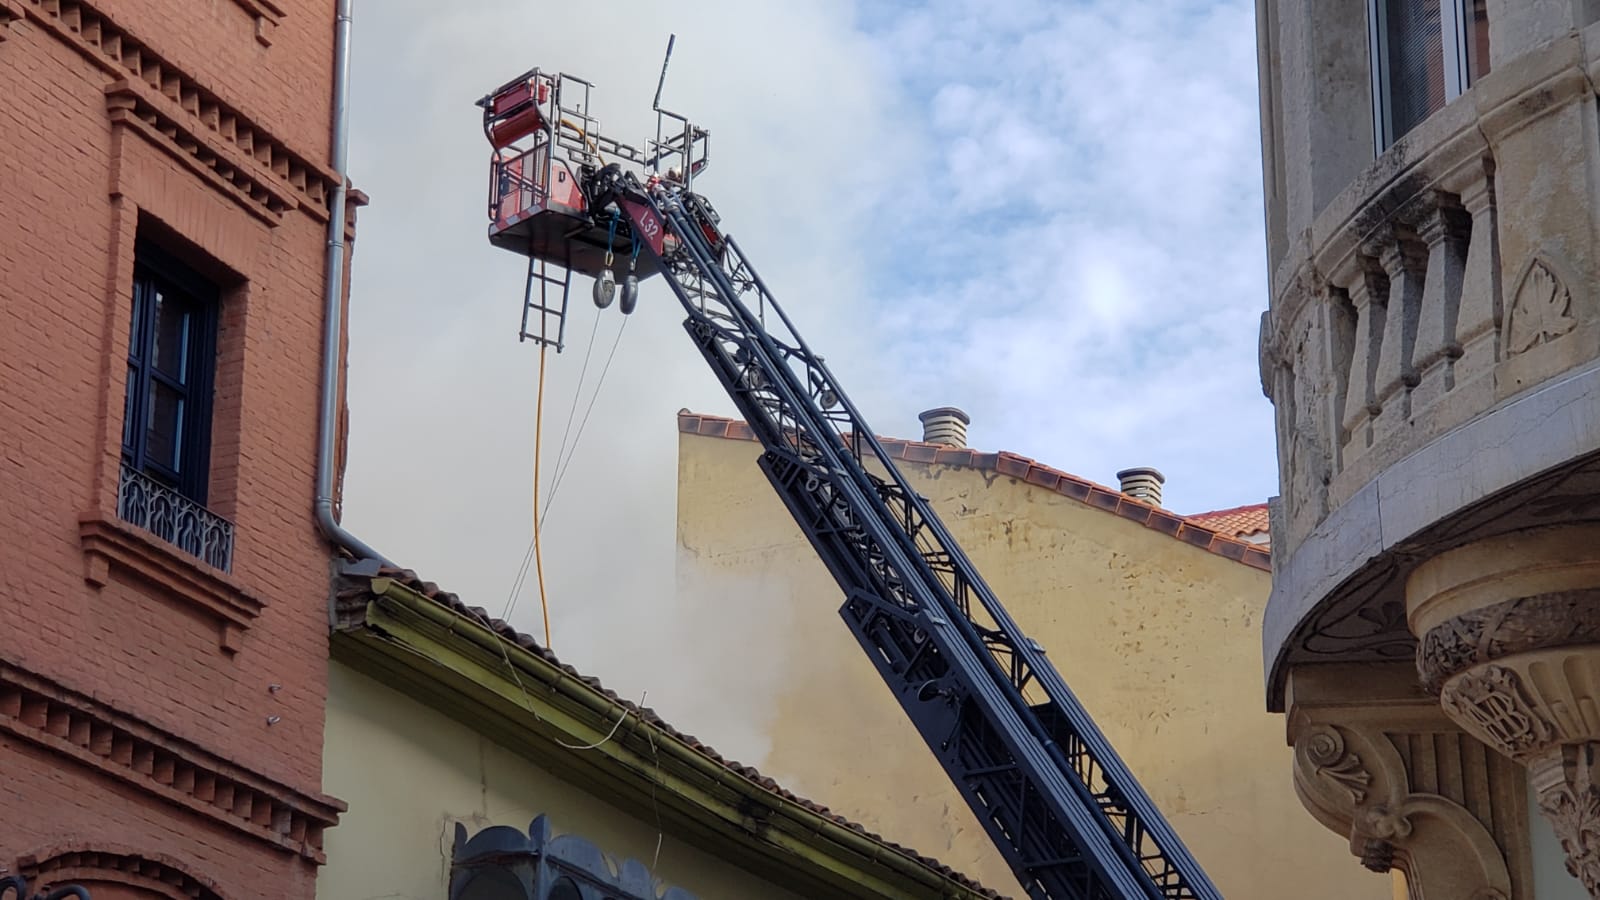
x,y
1490,704
1576,817
1541,621
1540,311
1377,855
1269,352
1572,804
1364,622
1356,782
1325,751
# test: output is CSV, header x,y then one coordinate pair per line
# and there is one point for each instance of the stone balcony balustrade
x,y
1450,280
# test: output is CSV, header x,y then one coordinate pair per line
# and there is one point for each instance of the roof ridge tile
x,y
1193,530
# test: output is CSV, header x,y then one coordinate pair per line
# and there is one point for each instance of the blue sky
x,y
1046,213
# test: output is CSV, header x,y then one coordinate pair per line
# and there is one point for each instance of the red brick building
x,y
166,182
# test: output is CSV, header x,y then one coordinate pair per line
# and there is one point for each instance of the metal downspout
x,y
332,295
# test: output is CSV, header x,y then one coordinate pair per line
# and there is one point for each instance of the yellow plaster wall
x,y
409,773
1160,640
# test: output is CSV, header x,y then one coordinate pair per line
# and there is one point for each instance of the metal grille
x,y
146,503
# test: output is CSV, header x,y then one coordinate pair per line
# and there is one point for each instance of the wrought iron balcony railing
x,y
181,522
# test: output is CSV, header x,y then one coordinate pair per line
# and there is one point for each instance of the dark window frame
x,y
157,270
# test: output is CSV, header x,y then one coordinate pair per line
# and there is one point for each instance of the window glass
x,y
171,354
1415,44
1477,16
1425,53
171,337
164,431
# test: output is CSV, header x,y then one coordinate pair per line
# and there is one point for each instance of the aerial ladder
x,y
1052,794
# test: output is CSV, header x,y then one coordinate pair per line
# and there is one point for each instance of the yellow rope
x,y
538,433
584,136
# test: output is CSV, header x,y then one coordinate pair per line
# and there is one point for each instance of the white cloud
x,y
1046,213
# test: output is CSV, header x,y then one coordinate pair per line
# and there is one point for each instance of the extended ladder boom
x,y
1056,800
1046,785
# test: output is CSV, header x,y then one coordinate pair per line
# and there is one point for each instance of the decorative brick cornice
x,y
79,862
109,542
79,728
217,135
267,16
131,104
10,11
1031,472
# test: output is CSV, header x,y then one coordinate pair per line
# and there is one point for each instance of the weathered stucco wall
x,y
1158,639
410,773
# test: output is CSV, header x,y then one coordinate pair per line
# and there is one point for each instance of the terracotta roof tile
x,y
953,456
1105,500
1011,464
1218,532
1164,522
1200,537
1137,510
1043,477
1077,490
1232,550
355,586
1237,522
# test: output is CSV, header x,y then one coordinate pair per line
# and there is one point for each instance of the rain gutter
x,y
333,306
802,824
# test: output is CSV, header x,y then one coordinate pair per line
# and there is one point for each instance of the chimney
x,y
945,425
1142,483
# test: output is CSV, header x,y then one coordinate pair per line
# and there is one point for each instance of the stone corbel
x,y
1355,782
1357,768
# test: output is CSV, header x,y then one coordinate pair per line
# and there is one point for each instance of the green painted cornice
x,y
560,721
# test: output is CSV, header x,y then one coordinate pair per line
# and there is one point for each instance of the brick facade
x,y
160,719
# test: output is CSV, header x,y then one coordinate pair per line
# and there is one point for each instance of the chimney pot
x,y
945,425
1142,483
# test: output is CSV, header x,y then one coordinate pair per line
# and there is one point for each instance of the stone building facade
x,y
164,196
1432,182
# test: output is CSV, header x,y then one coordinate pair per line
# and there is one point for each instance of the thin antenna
x,y
656,106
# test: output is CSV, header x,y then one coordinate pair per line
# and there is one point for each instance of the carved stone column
x,y
1405,261
1444,227
1510,640
1478,316
1364,281
1375,760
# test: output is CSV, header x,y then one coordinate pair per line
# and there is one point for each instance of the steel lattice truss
x,y
1055,798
